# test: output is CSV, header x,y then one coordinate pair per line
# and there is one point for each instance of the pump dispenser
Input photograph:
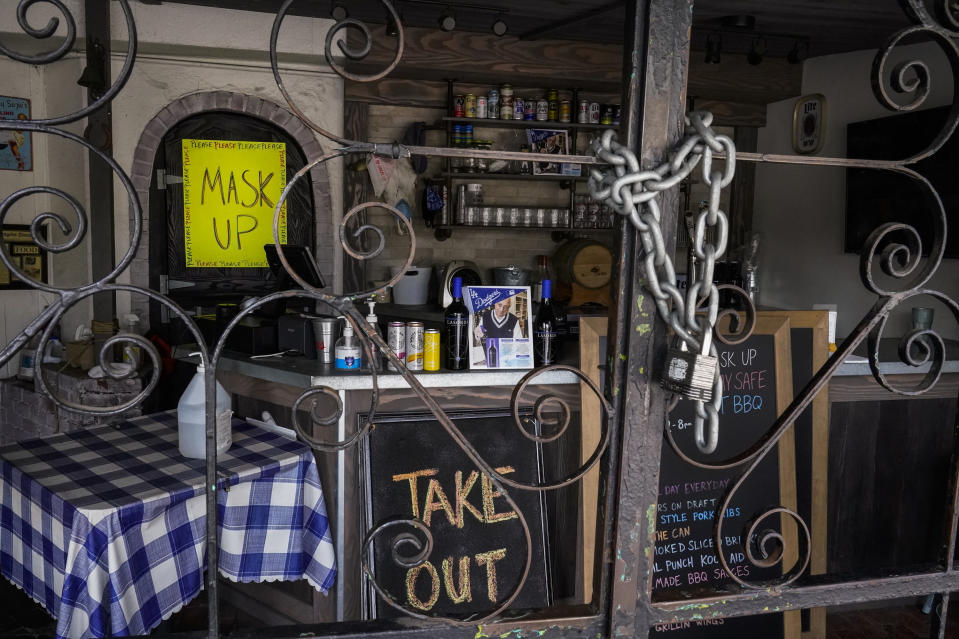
x,y
373,321
191,417
348,354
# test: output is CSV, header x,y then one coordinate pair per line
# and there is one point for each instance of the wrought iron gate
x,y
655,70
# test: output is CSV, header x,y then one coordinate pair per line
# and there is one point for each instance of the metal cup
x,y
325,334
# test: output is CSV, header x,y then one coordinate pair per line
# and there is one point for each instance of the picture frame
x,y
501,327
16,147
549,141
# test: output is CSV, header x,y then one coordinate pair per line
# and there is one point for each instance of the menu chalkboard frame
x,y
817,446
373,607
592,353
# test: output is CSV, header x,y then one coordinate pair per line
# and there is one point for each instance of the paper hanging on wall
x,y
230,190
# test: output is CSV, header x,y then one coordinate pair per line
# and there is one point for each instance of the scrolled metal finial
x,y
420,543
45,58
766,547
559,426
917,347
344,240
745,327
43,32
353,54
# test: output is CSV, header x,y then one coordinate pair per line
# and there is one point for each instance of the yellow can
x,y
431,350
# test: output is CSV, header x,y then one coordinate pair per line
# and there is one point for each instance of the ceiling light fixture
x,y
714,46
756,51
338,11
499,27
798,53
447,20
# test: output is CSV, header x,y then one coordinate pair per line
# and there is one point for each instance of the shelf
x,y
528,124
512,176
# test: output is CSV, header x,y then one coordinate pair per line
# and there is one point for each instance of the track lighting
x,y
756,51
714,46
798,53
338,11
447,20
499,26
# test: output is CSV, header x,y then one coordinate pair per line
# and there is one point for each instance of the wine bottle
x,y
545,337
457,330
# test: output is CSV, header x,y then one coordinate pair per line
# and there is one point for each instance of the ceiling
x,y
828,26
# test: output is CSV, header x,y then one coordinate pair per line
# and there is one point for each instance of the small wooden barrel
x,y
583,262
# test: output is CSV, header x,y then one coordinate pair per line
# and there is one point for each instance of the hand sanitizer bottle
x,y
348,353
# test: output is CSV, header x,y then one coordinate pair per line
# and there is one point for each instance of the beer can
x,y
396,338
467,135
617,113
594,110
457,135
481,106
459,106
431,350
565,111
583,116
469,105
529,109
414,346
542,110
492,105
518,108
553,97
606,114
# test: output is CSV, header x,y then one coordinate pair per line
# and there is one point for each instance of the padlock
x,y
691,374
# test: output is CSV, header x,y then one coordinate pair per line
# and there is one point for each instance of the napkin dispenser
x,y
295,333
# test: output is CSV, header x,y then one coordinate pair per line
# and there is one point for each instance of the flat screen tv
x,y
874,197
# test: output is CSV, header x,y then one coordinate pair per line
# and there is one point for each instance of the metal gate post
x,y
656,56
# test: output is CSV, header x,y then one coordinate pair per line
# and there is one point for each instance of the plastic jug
x,y
191,417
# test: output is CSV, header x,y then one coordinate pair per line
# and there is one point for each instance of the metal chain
x,y
631,192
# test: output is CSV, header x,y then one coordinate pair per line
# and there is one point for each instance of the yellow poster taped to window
x,y
230,189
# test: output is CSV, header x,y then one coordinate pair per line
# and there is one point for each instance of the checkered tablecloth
x,y
106,527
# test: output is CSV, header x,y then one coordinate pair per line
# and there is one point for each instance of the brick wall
x,y
25,413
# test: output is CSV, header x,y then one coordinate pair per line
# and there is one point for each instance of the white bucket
x,y
413,288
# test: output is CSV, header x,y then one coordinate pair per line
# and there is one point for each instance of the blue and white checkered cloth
x,y
106,527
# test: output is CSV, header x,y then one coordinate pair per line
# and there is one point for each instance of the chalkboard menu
x,y
756,386
414,470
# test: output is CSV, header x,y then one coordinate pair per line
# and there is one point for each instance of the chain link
x,y
631,192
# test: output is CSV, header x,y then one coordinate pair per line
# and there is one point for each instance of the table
x,y
106,527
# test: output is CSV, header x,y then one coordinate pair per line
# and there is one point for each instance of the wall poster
x,y
16,148
230,189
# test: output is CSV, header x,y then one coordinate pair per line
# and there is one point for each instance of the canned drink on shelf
x,y
617,113
514,216
565,111
469,105
542,110
481,107
583,115
492,105
594,112
554,217
553,97
500,216
467,135
396,338
431,350
529,109
459,106
541,218
414,346
606,114
457,135
518,108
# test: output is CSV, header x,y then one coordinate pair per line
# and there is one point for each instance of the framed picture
x,y
25,255
548,141
809,123
501,327
16,148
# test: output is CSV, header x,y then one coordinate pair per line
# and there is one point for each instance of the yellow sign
x,y
229,192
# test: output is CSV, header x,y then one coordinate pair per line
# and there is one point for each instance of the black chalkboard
x,y
686,559
478,531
